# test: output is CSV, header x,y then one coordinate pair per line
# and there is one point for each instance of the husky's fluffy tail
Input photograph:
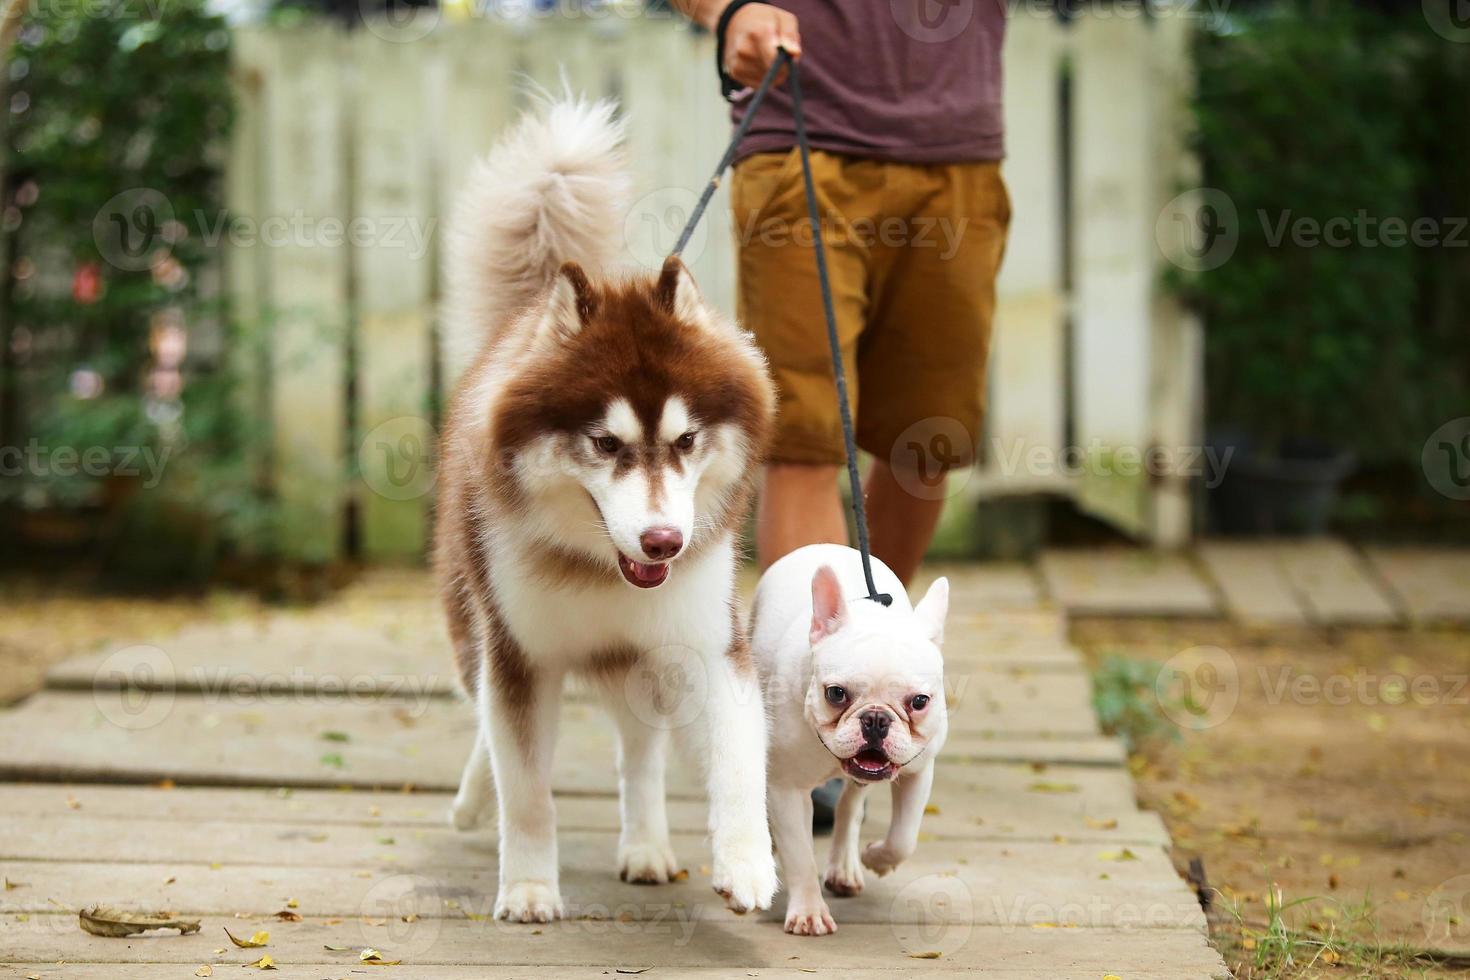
x,y
552,190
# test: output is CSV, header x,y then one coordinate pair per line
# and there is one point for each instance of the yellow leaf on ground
x,y
1123,855
932,954
264,963
204,971
254,942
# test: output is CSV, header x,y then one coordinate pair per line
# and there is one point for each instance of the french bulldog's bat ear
x,y
829,612
932,609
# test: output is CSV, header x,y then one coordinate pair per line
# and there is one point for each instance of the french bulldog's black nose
x,y
874,725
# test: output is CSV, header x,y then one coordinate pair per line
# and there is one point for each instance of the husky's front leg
x,y
645,856
520,721
735,741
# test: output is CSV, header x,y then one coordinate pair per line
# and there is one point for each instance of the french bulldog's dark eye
x,y
836,696
607,444
685,442
919,702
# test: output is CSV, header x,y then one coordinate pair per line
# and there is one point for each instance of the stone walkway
x,y
1317,582
290,774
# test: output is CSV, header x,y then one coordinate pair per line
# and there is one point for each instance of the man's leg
x,y
799,505
900,524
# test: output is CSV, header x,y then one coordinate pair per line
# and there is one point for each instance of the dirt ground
x,y
1340,778
43,621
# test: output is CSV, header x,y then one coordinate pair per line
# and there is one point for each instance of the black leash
x,y
783,59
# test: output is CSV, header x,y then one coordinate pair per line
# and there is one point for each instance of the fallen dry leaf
x,y
264,963
102,920
372,956
1123,855
286,915
204,971
12,885
1043,786
335,949
1102,825
256,941
291,903
932,954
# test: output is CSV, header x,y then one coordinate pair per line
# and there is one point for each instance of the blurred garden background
x,y
220,236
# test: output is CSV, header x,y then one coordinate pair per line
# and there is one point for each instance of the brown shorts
x,y
913,251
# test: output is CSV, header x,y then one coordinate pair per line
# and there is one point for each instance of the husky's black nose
x,y
661,543
875,726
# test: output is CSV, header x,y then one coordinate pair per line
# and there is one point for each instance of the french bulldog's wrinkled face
x,y
876,697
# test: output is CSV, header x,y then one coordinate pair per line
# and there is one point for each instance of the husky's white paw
x,y
464,815
528,901
746,877
647,862
809,918
844,877
881,859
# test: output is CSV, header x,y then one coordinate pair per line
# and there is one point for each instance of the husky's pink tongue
x,y
648,573
641,575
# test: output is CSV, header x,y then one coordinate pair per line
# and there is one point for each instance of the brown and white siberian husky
x,y
596,461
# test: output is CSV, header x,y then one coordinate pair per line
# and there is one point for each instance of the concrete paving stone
x,y
1119,582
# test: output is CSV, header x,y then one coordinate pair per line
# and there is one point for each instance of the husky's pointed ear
x,y
932,609
677,293
571,302
829,612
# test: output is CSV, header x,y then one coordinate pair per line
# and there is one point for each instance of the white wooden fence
x,y
349,148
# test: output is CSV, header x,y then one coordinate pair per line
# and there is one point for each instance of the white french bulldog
x,y
868,682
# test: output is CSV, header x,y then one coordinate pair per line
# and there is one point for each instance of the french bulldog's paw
x,y
464,816
647,862
746,878
880,859
809,918
844,878
528,901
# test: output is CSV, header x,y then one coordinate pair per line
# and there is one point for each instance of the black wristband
x,y
728,85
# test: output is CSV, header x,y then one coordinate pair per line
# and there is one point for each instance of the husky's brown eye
x,y
685,442
836,696
919,702
607,444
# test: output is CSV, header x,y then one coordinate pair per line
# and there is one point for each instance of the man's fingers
x,y
788,36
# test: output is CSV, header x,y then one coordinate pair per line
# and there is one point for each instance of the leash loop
x,y
783,59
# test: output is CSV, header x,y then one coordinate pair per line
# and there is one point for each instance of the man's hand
x,y
752,38
754,35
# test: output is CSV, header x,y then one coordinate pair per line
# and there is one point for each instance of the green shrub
x,y
115,106
1322,114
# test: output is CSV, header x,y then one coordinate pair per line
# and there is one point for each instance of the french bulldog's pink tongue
x,y
647,573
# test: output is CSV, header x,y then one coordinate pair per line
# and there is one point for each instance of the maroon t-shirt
x,y
913,81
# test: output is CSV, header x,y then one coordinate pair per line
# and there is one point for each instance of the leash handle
x,y
783,59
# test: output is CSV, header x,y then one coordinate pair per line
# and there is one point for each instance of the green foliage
x,y
1125,697
1321,113
120,112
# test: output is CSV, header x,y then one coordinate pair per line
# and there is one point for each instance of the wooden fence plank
x,y
472,79
1027,401
1176,406
1112,193
306,166
393,210
245,270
